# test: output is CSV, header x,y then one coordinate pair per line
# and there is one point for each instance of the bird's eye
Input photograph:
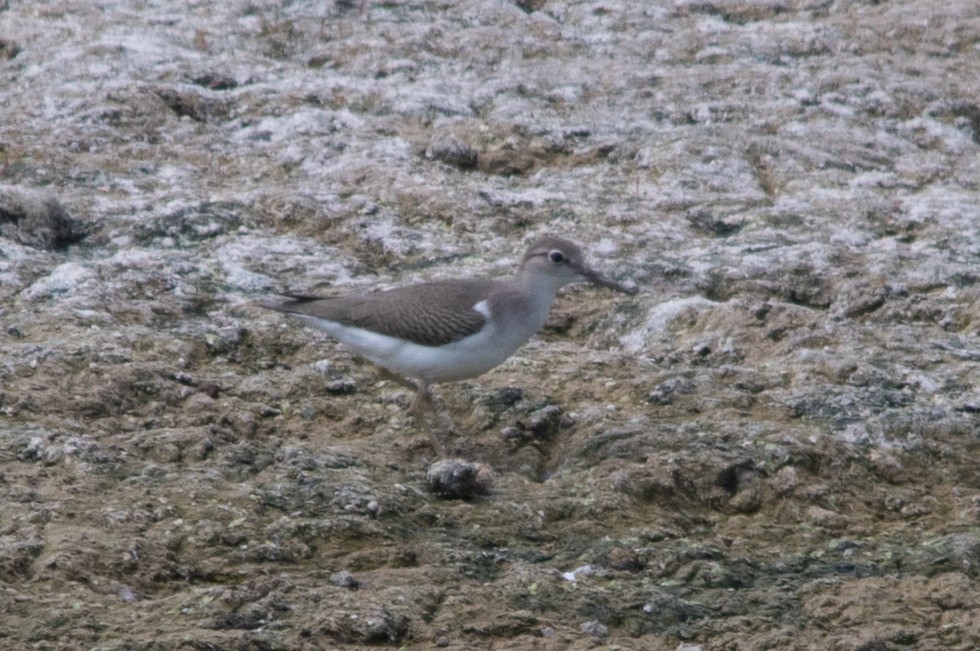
x,y
557,257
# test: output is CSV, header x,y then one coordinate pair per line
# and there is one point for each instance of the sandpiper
x,y
448,330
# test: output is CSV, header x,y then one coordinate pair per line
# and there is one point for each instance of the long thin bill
x,y
596,278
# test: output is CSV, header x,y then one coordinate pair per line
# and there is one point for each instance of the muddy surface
x,y
774,445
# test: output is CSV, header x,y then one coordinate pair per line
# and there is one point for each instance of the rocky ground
x,y
774,445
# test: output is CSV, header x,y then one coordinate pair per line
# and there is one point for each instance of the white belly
x,y
460,360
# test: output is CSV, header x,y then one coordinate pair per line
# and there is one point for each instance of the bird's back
x,y
429,314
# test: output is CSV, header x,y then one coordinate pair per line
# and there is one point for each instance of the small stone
x,y
785,480
826,518
572,575
761,311
701,350
509,396
544,423
37,220
459,479
843,545
451,151
215,81
623,482
857,298
185,379
342,387
513,434
324,368
126,594
624,559
345,579
594,628
664,393
8,49
210,389
53,456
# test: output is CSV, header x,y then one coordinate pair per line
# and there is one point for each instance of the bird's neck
x,y
539,290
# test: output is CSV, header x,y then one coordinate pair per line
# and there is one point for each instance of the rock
x,y
458,479
451,151
665,392
185,102
37,219
345,579
826,518
543,424
595,629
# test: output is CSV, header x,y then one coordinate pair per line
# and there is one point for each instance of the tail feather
x,y
286,302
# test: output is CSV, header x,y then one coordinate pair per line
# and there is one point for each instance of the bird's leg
x,y
397,379
439,410
422,405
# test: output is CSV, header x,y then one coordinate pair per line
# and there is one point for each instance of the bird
x,y
448,330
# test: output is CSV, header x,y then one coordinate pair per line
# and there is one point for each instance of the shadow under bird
x,y
449,330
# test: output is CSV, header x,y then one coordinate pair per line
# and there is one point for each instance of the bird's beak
x,y
596,278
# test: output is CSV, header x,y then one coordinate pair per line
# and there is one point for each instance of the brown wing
x,y
430,314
